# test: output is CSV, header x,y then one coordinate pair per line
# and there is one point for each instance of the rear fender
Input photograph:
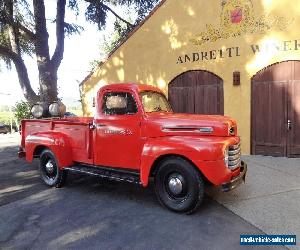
x,y
57,142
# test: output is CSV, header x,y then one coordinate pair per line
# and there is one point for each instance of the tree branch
x,y
60,34
111,10
41,42
116,15
25,31
28,92
12,32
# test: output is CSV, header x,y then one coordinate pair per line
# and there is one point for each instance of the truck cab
x,y
135,136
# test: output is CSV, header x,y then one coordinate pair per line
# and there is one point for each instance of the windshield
x,y
155,102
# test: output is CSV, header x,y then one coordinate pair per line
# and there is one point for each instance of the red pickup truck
x,y
135,137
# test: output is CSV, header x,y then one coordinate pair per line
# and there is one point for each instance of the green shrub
x,y
22,111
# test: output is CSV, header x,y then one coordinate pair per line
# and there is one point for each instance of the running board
x,y
108,173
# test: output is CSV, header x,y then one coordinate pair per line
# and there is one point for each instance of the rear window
x,y
119,103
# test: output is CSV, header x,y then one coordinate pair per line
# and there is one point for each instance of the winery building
x,y
240,58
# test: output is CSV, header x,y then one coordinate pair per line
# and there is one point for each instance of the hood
x,y
164,123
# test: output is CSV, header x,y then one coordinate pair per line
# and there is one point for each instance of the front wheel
x,y
179,186
50,173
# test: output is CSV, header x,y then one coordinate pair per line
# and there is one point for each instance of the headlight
x,y
226,157
231,131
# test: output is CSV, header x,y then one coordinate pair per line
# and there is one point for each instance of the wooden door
x,y
269,110
294,112
276,110
197,92
182,99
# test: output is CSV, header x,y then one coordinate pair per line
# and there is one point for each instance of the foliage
x,y
22,111
5,117
75,110
135,14
24,30
109,42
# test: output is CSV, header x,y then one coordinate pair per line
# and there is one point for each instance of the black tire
x,y
51,175
178,185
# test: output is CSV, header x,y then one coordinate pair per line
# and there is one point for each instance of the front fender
x,y
155,148
198,150
57,142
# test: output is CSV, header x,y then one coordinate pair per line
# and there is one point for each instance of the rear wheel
x,y
50,173
179,186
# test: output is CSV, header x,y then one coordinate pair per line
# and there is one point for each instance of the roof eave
x,y
126,38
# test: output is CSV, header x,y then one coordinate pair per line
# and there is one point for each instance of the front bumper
x,y
237,180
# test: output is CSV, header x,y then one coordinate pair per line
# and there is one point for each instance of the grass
x,y
76,111
5,117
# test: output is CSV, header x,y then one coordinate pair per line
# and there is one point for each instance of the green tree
x,y
23,31
22,111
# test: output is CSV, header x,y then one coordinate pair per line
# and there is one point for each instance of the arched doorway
x,y
275,110
197,92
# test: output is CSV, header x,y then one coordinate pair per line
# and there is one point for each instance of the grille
x,y
234,156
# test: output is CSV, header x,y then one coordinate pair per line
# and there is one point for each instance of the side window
x,y
119,103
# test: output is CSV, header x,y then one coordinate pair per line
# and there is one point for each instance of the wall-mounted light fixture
x,y
94,102
236,78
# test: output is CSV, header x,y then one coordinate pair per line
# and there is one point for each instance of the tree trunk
x,y
48,83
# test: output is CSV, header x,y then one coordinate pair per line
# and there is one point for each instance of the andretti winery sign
x,y
237,18
271,47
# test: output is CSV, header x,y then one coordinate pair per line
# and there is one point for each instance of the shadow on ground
x,y
95,214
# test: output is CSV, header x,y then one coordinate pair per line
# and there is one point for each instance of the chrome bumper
x,y
237,180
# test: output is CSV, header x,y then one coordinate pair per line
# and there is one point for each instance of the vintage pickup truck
x,y
135,137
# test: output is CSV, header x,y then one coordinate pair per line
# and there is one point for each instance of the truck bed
x,y
76,128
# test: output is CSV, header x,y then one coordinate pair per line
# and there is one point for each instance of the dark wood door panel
x,y
294,116
277,72
198,92
208,100
268,115
182,99
296,70
275,102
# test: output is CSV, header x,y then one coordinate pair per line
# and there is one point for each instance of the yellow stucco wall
x,y
155,53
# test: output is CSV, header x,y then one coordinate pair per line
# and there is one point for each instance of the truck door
x,y
118,140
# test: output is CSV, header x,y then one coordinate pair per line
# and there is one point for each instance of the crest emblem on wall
x,y
237,18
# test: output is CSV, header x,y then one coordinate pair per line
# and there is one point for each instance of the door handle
x,y
92,126
101,125
289,126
